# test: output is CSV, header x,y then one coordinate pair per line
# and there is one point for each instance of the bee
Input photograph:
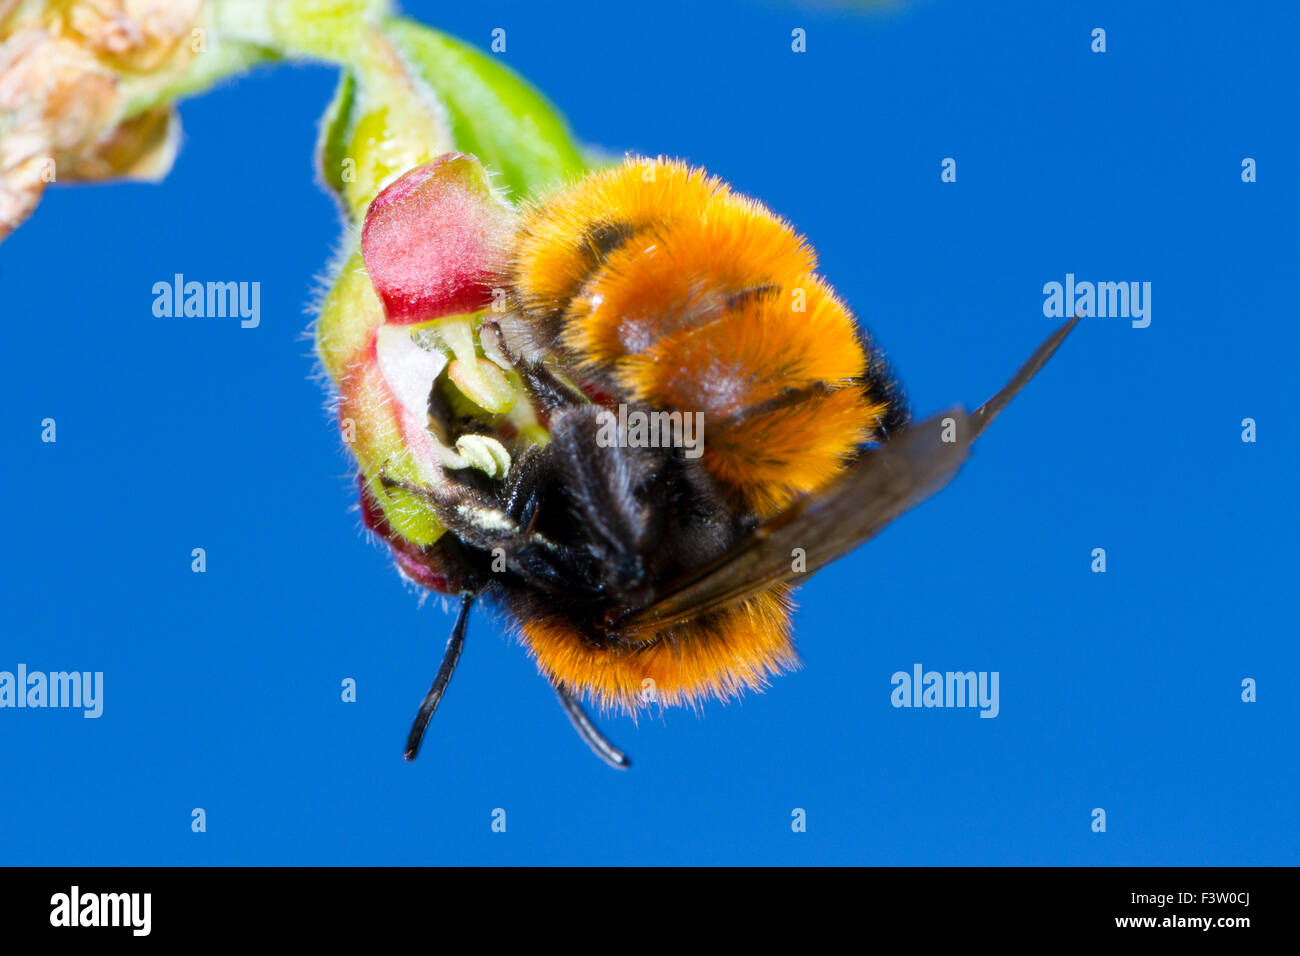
x,y
654,289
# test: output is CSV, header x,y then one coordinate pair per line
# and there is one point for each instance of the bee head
x,y
611,518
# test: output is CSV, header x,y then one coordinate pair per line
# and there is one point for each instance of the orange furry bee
x,y
655,290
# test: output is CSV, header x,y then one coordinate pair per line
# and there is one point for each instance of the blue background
x,y
1118,690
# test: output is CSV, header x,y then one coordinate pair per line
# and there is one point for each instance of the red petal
x,y
433,240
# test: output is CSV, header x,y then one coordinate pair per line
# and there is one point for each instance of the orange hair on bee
x,y
782,408
673,276
560,242
657,284
720,655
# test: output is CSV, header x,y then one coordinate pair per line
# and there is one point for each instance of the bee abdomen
x,y
659,285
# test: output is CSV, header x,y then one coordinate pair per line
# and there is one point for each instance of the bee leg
x,y
449,658
389,483
588,731
549,390
472,517
480,524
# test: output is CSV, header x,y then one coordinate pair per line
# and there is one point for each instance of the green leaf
x,y
336,133
494,113
412,93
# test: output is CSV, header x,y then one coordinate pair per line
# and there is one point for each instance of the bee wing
x,y
885,482
880,486
989,410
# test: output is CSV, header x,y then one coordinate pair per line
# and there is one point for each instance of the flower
x,y
66,71
402,330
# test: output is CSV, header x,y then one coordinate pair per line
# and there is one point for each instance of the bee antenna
x,y
455,644
589,732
